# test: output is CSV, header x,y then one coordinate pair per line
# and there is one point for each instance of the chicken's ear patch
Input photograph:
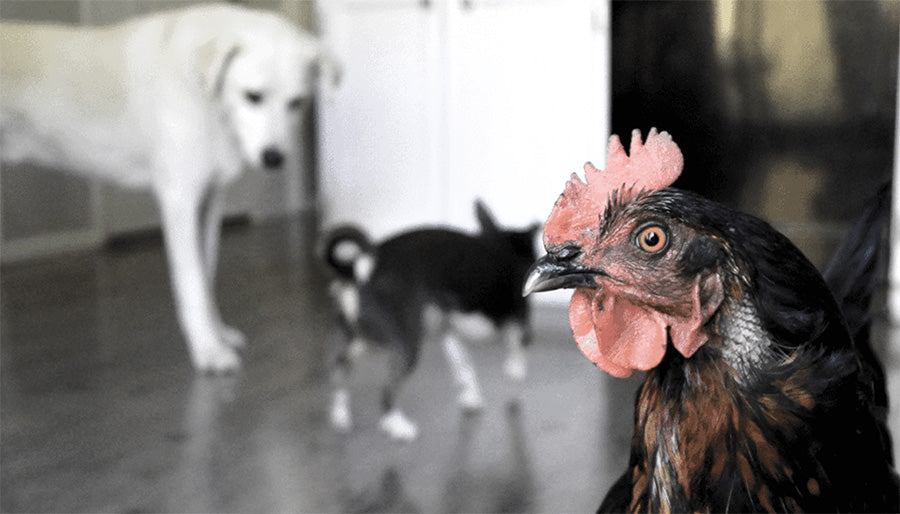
x,y
689,333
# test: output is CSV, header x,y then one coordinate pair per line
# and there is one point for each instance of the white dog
x,y
177,102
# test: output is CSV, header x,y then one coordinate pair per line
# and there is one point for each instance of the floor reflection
x,y
498,489
386,495
195,476
505,483
102,412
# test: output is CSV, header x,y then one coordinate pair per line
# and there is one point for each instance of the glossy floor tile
x,y
101,411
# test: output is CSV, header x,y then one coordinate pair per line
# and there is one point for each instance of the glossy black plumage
x,y
797,426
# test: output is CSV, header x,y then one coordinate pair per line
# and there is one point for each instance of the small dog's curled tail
x,y
348,250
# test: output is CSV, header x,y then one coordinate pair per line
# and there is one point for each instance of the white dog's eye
x,y
253,97
295,103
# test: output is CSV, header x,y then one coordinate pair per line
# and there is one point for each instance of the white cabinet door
x,y
528,104
445,101
378,129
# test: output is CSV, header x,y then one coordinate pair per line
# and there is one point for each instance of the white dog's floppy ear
x,y
329,71
213,59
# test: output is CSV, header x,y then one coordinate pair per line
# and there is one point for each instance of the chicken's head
x,y
637,271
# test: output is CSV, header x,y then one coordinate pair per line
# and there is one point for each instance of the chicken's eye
x,y
652,239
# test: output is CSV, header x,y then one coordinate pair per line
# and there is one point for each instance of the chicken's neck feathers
x,y
746,346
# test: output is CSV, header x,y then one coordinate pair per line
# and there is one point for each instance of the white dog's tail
x,y
349,252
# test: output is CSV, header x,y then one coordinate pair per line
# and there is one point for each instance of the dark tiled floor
x,y
101,411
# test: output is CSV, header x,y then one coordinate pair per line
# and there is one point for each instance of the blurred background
x,y
784,109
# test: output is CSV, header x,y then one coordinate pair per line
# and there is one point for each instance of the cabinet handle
x,y
466,5
425,4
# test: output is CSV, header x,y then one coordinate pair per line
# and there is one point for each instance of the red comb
x,y
648,166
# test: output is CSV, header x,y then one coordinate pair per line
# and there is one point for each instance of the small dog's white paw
x,y
471,400
216,359
341,419
357,349
399,427
515,367
232,337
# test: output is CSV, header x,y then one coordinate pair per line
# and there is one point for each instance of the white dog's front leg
x,y
211,223
180,209
213,207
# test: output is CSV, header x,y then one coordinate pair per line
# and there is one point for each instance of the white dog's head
x,y
264,77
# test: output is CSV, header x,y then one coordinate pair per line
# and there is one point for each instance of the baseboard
x,y
44,245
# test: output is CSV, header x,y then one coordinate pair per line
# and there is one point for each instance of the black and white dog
x,y
384,290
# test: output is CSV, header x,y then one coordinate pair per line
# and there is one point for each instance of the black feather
x,y
804,428
619,496
851,274
701,254
852,277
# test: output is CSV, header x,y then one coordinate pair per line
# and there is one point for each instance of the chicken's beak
x,y
548,273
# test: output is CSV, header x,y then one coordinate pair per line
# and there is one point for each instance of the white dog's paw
x,y
232,337
216,359
471,400
341,419
399,427
515,367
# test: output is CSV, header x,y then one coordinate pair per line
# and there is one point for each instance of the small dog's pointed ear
x,y
213,59
485,219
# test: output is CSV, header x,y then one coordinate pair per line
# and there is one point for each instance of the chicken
x,y
756,396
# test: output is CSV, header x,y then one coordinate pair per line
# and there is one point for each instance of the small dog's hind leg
x,y
516,365
463,372
341,416
398,426
394,422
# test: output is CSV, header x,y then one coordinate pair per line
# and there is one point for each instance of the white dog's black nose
x,y
272,158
